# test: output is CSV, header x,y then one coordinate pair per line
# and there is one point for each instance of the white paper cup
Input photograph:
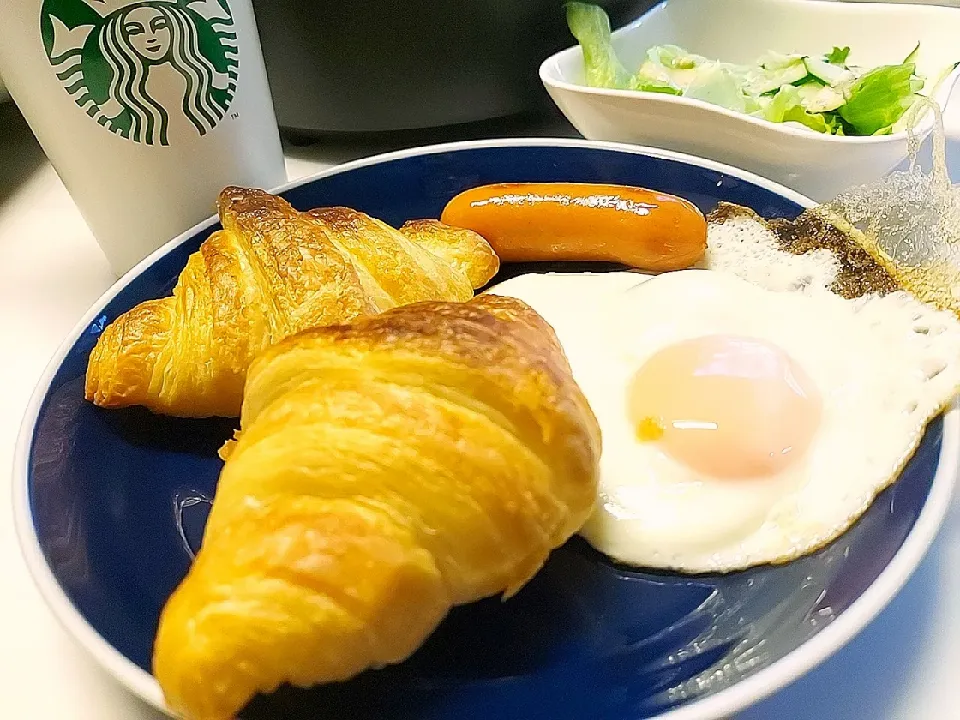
x,y
146,109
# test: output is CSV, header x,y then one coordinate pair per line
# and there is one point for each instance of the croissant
x,y
385,471
271,272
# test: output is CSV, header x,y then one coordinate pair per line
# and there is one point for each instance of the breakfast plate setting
x,y
638,435
642,425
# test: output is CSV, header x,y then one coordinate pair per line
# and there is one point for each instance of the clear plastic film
x,y
909,222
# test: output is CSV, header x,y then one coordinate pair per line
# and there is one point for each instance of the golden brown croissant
x,y
385,471
271,272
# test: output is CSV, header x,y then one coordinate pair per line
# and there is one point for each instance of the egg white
x,y
883,365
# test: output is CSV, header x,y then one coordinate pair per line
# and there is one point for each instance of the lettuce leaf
x,y
787,107
914,54
647,81
674,57
837,56
835,124
718,86
912,115
591,27
879,98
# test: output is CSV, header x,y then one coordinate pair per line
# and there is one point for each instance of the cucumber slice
x,y
817,98
773,80
828,73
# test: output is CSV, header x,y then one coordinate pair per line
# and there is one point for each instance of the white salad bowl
x,y
739,31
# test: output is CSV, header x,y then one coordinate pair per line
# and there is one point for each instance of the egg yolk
x,y
726,406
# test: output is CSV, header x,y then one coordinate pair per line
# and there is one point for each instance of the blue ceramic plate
x,y
111,504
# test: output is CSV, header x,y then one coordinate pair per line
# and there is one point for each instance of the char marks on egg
x,y
794,255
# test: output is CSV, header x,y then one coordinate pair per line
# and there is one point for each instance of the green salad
x,y
825,94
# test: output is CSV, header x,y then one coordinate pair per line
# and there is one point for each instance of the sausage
x,y
530,222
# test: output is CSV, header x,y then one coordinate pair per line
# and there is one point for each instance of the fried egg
x,y
742,425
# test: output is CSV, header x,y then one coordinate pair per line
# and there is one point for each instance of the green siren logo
x,y
151,71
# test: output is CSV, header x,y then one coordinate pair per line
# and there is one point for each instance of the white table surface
x,y
905,666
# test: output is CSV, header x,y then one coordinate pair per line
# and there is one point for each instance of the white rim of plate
x,y
735,698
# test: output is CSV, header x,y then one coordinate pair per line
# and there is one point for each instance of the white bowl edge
x,y
752,689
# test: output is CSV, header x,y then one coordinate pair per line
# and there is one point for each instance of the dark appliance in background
x,y
368,66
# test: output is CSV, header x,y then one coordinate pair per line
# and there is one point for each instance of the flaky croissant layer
x,y
271,272
385,471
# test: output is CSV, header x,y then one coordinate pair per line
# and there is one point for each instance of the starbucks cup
x,y
146,109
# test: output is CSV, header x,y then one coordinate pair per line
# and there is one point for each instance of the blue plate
x,y
112,505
